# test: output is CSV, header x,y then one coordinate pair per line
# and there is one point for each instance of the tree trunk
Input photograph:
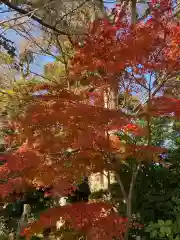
x,y
133,12
129,200
128,215
110,99
23,220
110,102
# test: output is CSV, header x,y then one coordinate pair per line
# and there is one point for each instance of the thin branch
x,y
29,37
7,11
148,109
17,24
44,77
35,18
161,84
138,82
30,14
133,180
177,10
72,11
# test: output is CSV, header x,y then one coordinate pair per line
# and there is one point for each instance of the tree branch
x,y
129,199
121,186
133,180
35,18
18,17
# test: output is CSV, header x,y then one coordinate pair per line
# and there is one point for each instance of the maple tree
x,y
66,119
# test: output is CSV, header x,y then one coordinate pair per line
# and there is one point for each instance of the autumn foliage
x,y
90,218
112,56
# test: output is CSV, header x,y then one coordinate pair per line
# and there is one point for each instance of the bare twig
x,y
70,12
29,37
17,24
52,79
35,18
30,14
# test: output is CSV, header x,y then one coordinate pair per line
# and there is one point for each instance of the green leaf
x,y
168,230
161,222
154,234
162,234
168,222
148,229
163,230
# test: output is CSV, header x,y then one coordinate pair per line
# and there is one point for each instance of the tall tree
x,y
64,118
